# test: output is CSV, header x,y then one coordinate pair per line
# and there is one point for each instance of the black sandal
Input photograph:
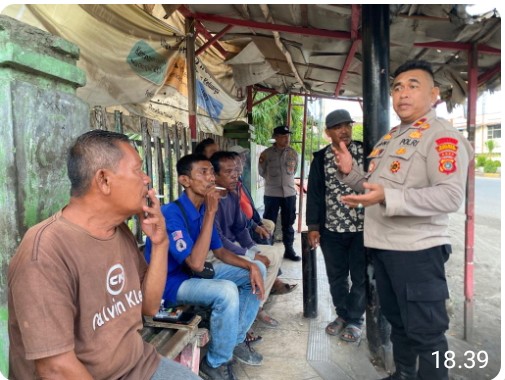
x,y
252,338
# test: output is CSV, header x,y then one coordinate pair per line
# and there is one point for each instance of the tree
x,y
273,112
490,144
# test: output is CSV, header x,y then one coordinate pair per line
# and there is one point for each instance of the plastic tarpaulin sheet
x,y
134,60
215,106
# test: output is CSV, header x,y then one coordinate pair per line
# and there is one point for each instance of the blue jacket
x,y
181,243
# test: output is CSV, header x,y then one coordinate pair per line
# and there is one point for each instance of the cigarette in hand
x,y
220,188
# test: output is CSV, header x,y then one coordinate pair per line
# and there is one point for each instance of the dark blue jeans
x,y
412,291
345,254
288,215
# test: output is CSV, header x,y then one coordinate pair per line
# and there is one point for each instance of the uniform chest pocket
x,y
397,165
274,169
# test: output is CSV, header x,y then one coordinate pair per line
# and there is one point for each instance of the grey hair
x,y
92,151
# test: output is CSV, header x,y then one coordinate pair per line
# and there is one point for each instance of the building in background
x,y
488,119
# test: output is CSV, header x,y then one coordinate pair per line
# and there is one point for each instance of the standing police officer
x,y
278,165
416,176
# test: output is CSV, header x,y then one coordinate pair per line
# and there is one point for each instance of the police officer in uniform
x,y
416,176
278,165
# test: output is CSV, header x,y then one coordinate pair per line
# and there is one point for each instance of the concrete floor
x,y
299,349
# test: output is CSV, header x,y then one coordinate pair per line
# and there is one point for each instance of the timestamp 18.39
x,y
470,359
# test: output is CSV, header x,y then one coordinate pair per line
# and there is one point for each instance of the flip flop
x,y
283,289
334,328
351,333
252,338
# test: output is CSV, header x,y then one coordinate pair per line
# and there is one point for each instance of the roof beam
x,y
213,39
265,98
311,94
484,77
355,13
272,27
467,46
202,29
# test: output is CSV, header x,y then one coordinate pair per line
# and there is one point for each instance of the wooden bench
x,y
180,342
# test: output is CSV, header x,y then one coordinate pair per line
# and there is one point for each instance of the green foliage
x,y
491,166
273,112
481,160
357,132
490,145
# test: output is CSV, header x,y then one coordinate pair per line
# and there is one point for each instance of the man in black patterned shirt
x,y
339,229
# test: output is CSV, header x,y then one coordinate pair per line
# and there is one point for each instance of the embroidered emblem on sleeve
x,y
180,245
447,148
176,235
395,166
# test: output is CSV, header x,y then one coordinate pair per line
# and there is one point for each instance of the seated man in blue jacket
x,y
237,287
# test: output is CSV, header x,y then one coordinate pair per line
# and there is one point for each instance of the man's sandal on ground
x,y
284,288
351,333
252,338
334,328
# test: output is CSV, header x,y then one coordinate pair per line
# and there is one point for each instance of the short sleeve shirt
x,y
69,290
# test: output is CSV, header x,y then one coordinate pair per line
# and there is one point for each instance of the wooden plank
x,y
193,325
176,343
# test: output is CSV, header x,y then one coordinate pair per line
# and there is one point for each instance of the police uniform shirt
x,y
423,168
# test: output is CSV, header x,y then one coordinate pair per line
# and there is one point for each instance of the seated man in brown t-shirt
x,y
78,285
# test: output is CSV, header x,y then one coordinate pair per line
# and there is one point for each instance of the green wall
x,y
41,116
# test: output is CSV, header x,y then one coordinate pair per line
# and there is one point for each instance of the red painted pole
x,y
470,197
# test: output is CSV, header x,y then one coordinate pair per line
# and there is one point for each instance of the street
x,y
488,197
484,313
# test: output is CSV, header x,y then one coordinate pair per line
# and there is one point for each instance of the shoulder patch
x,y
180,245
447,148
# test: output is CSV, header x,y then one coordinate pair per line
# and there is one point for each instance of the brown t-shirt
x,y
70,291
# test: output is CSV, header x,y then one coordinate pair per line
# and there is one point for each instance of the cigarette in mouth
x,y
220,188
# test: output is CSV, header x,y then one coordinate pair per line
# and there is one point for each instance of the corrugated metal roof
x,y
318,40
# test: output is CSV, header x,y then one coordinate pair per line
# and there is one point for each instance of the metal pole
x,y
375,22
302,169
191,77
309,278
288,114
470,196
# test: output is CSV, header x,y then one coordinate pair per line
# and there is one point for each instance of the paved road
x,y
487,278
488,197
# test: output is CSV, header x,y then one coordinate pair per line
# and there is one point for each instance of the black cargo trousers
x,y
412,292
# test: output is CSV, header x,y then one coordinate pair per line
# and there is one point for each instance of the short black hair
x,y
222,155
185,163
415,65
200,147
